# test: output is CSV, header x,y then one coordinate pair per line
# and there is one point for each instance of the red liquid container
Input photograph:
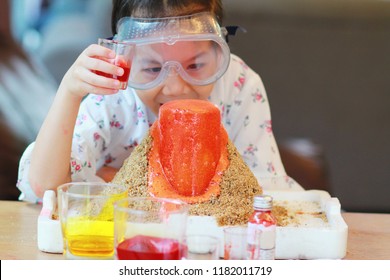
x,y
142,247
123,78
262,230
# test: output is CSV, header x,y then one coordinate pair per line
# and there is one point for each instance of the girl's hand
x,y
107,173
81,77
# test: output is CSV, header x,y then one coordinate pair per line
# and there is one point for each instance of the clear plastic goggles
x,y
193,47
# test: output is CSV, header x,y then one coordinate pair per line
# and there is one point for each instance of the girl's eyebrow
x,y
200,54
149,61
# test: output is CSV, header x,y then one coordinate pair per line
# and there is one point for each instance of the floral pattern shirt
x,y
108,128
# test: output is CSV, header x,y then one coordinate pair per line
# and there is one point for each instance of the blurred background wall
x,y
58,30
325,66
326,69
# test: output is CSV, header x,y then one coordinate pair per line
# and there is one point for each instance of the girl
x,y
179,53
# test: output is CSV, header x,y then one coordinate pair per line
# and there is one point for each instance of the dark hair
x,y
9,47
11,149
163,8
9,50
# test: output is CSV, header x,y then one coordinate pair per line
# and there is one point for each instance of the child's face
x,y
197,59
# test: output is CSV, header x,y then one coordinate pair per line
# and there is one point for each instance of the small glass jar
x,y
262,230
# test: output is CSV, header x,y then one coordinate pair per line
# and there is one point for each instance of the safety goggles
x,y
193,47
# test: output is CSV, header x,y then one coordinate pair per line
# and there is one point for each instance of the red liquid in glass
x,y
143,247
123,78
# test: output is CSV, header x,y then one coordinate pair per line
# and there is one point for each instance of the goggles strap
x,y
231,31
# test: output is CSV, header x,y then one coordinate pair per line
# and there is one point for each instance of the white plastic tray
x,y
312,242
295,242
291,242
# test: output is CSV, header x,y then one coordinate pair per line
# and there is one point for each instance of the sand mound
x,y
238,186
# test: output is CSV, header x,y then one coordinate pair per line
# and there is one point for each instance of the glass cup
x,y
148,228
86,213
122,59
235,243
202,247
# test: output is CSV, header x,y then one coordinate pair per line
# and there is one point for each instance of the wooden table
x,y
368,234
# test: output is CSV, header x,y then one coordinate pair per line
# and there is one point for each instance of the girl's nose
x,y
174,85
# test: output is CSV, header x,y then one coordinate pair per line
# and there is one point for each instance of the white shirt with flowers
x,y
108,128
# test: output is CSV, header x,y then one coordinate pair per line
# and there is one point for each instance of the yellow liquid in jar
x,y
91,246
90,238
93,235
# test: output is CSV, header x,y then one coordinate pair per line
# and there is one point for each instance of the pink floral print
x,y
267,125
140,116
258,96
239,83
108,159
77,167
98,99
131,146
81,118
250,150
271,168
115,123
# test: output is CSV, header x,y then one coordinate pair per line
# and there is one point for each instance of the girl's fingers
x,y
97,72
95,50
99,58
97,80
92,72
98,64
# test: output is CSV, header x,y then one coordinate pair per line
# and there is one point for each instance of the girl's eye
x,y
195,66
153,70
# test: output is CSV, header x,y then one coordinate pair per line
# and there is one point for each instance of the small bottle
x,y
262,230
